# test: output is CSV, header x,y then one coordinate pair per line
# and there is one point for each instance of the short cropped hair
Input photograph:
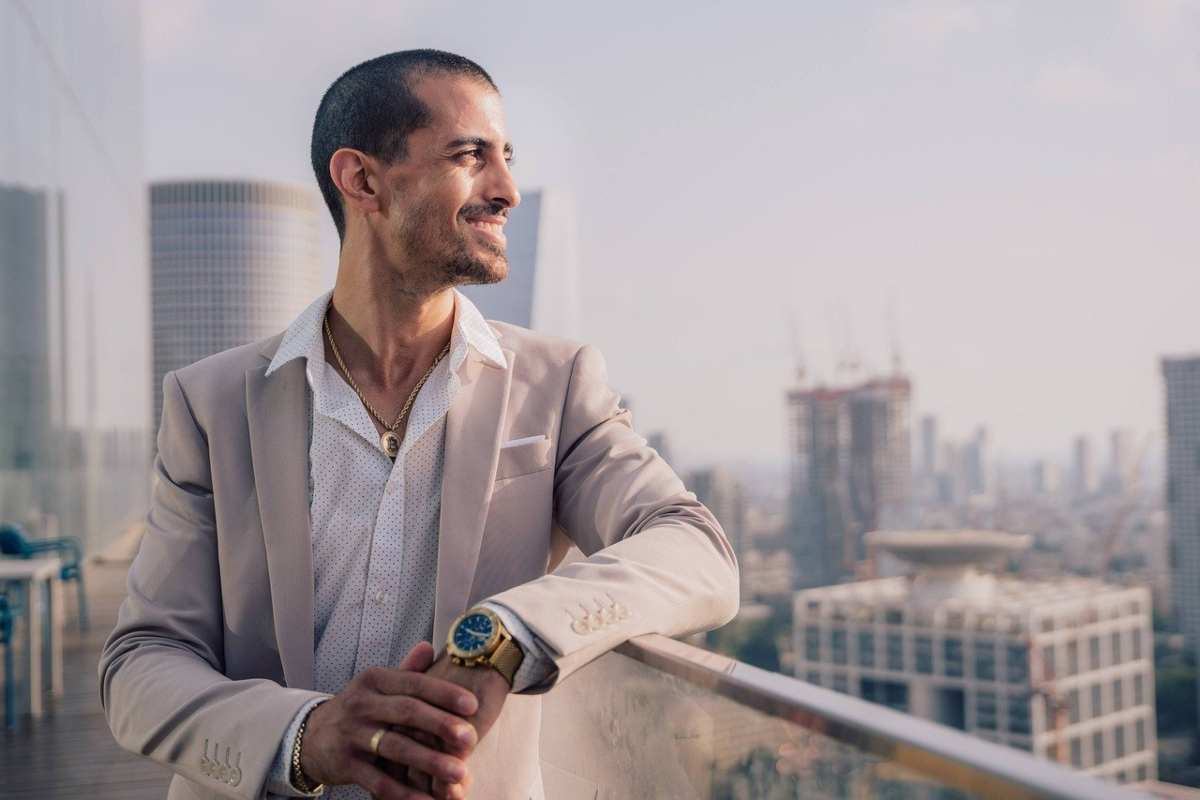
x,y
372,108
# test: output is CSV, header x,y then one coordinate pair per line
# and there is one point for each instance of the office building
x,y
851,463
232,262
1083,475
1182,376
1122,463
541,290
717,489
1060,668
1046,478
74,311
975,467
929,446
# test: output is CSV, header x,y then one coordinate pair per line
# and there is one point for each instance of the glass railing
x,y
661,719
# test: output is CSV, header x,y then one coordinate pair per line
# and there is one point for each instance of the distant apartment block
x,y
1060,668
717,489
231,262
851,464
1182,377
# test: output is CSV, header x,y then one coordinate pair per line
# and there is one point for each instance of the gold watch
x,y
478,638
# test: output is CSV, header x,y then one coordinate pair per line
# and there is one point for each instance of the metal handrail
x,y
951,757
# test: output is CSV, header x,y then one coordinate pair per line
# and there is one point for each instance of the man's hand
x,y
337,742
491,689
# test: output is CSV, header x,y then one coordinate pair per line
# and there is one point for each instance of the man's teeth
x,y
491,227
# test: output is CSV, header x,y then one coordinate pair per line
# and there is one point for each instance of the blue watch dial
x,y
473,633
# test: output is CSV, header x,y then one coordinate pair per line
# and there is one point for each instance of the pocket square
x,y
523,440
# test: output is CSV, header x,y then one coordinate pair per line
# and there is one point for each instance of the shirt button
x,y
379,597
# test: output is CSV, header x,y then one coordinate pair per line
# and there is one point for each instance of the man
x,y
393,471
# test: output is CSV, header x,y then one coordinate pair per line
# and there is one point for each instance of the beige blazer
x,y
212,654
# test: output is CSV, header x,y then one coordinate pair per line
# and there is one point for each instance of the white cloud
x,y
1073,83
929,23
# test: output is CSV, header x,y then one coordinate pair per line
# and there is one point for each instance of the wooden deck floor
x,y
70,753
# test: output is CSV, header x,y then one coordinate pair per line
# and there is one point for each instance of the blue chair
x,y
14,543
9,611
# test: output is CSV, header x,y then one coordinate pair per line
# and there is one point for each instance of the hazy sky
x,y
1018,181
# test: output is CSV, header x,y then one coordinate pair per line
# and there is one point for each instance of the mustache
x,y
485,210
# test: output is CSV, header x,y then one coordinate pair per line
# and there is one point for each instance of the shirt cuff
x,y
279,781
537,666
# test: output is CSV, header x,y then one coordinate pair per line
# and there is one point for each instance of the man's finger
x,y
400,749
436,691
419,659
413,713
451,791
380,786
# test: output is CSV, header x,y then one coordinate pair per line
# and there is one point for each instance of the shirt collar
x,y
304,337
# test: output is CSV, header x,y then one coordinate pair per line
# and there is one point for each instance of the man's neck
x,y
388,333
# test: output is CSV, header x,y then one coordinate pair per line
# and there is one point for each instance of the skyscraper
x,y
929,446
541,289
74,355
1083,475
975,464
722,494
851,458
232,262
1122,463
1183,489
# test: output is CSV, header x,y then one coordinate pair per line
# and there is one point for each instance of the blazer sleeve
x,y
161,681
657,559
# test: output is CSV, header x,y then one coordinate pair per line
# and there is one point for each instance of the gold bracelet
x,y
297,777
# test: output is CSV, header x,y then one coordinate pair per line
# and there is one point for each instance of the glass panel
x,y
895,652
923,649
985,661
838,645
812,643
604,727
952,651
866,649
1018,713
1017,663
666,720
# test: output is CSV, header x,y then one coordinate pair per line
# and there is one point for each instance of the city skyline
x,y
1023,174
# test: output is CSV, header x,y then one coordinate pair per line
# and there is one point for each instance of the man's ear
x,y
353,173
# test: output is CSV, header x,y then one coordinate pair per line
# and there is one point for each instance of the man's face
x,y
450,197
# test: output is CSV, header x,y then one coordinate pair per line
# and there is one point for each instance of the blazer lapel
x,y
472,447
277,412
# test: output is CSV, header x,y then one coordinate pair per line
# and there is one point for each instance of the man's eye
x,y
476,153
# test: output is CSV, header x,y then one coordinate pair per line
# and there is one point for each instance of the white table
x,y
41,590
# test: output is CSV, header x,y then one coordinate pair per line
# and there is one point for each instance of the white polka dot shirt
x,y
375,522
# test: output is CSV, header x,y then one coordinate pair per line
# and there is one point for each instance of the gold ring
x,y
376,738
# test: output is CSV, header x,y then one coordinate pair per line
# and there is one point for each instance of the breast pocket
x,y
523,456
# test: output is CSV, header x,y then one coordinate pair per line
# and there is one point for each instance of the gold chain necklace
x,y
389,440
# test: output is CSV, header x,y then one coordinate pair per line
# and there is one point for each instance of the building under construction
x,y
851,472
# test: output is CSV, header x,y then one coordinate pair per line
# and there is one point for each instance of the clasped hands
x,y
434,712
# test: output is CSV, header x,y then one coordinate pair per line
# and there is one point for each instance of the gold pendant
x,y
390,443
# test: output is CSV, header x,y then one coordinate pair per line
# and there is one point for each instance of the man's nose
x,y
504,187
